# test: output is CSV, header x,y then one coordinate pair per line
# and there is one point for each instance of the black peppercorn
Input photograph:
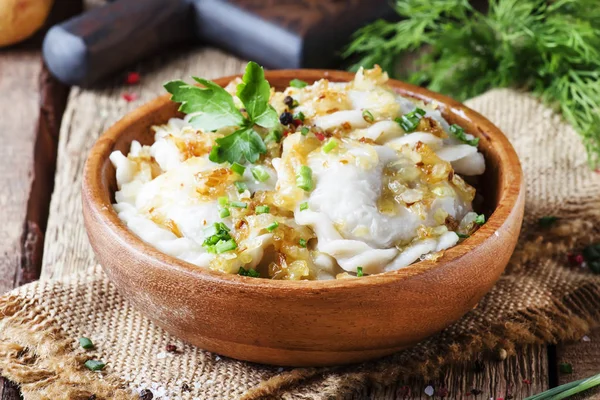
x,y
186,388
288,101
146,394
286,118
171,348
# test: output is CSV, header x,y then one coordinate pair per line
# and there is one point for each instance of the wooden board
x,y
584,356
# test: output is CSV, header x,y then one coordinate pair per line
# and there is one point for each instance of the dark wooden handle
x,y
109,38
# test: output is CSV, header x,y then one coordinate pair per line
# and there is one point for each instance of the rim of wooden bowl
x,y
510,178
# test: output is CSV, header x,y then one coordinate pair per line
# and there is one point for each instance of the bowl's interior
x,y
499,182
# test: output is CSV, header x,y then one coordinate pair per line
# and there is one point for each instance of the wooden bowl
x,y
305,323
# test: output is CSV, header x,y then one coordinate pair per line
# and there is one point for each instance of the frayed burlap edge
x,y
567,318
35,354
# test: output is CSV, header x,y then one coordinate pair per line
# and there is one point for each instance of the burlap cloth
x,y
539,299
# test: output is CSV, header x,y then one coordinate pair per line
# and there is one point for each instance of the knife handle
x,y
106,39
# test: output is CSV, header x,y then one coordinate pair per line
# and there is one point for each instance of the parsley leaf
x,y
216,109
254,92
214,104
242,144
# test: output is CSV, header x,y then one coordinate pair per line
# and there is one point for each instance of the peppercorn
x,y
185,387
146,394
288,101
171,348
286,118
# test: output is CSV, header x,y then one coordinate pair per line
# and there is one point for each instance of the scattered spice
x,y
129,97
185,387
575,259
171,348
319,136
547,221
286,118
501,354
132,78
565,368
146,394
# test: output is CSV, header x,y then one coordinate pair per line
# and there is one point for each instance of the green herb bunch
x,y
551,48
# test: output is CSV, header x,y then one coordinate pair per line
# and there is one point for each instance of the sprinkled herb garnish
x,y
304,131
241,186
217,239
86,343
304,206
252,273
367,116
217,110
480,219
591,254
410,121
460,134
260,173
565,368
359,271
224,212
302,242
238,204
547,221
238,168
262,209
273,226
223,201
273,136
297,83
300,116
330,145
304,178
462,235
94,365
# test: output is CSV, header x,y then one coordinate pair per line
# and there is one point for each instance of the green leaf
x,y
214,104
242,144
254,92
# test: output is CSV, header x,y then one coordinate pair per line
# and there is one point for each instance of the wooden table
x,y
42,234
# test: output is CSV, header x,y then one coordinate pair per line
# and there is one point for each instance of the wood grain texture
x,y
584,356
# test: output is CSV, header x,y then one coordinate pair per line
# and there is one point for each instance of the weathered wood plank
x,y
584,356
516,377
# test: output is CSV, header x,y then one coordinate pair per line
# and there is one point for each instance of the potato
x,y
20,19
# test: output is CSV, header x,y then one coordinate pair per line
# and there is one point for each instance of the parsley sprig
x,y
215,109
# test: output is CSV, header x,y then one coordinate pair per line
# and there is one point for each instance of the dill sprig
x,y
551,48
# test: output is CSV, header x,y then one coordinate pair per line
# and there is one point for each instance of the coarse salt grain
x,y
586,339
429,391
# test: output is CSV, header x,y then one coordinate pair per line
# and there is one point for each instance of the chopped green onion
x,y
225,245
330,145
294,104
460,134
273,226
299,116
250,272
480,219
260,173
302,242
273,136
547,221
304,131
238,168
303,206
304,178
241,186
568,389
262,209
86,343
297,83
359,271
367,116
94,365
238,204
410,121
462,235
224,212
215,234
223,201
